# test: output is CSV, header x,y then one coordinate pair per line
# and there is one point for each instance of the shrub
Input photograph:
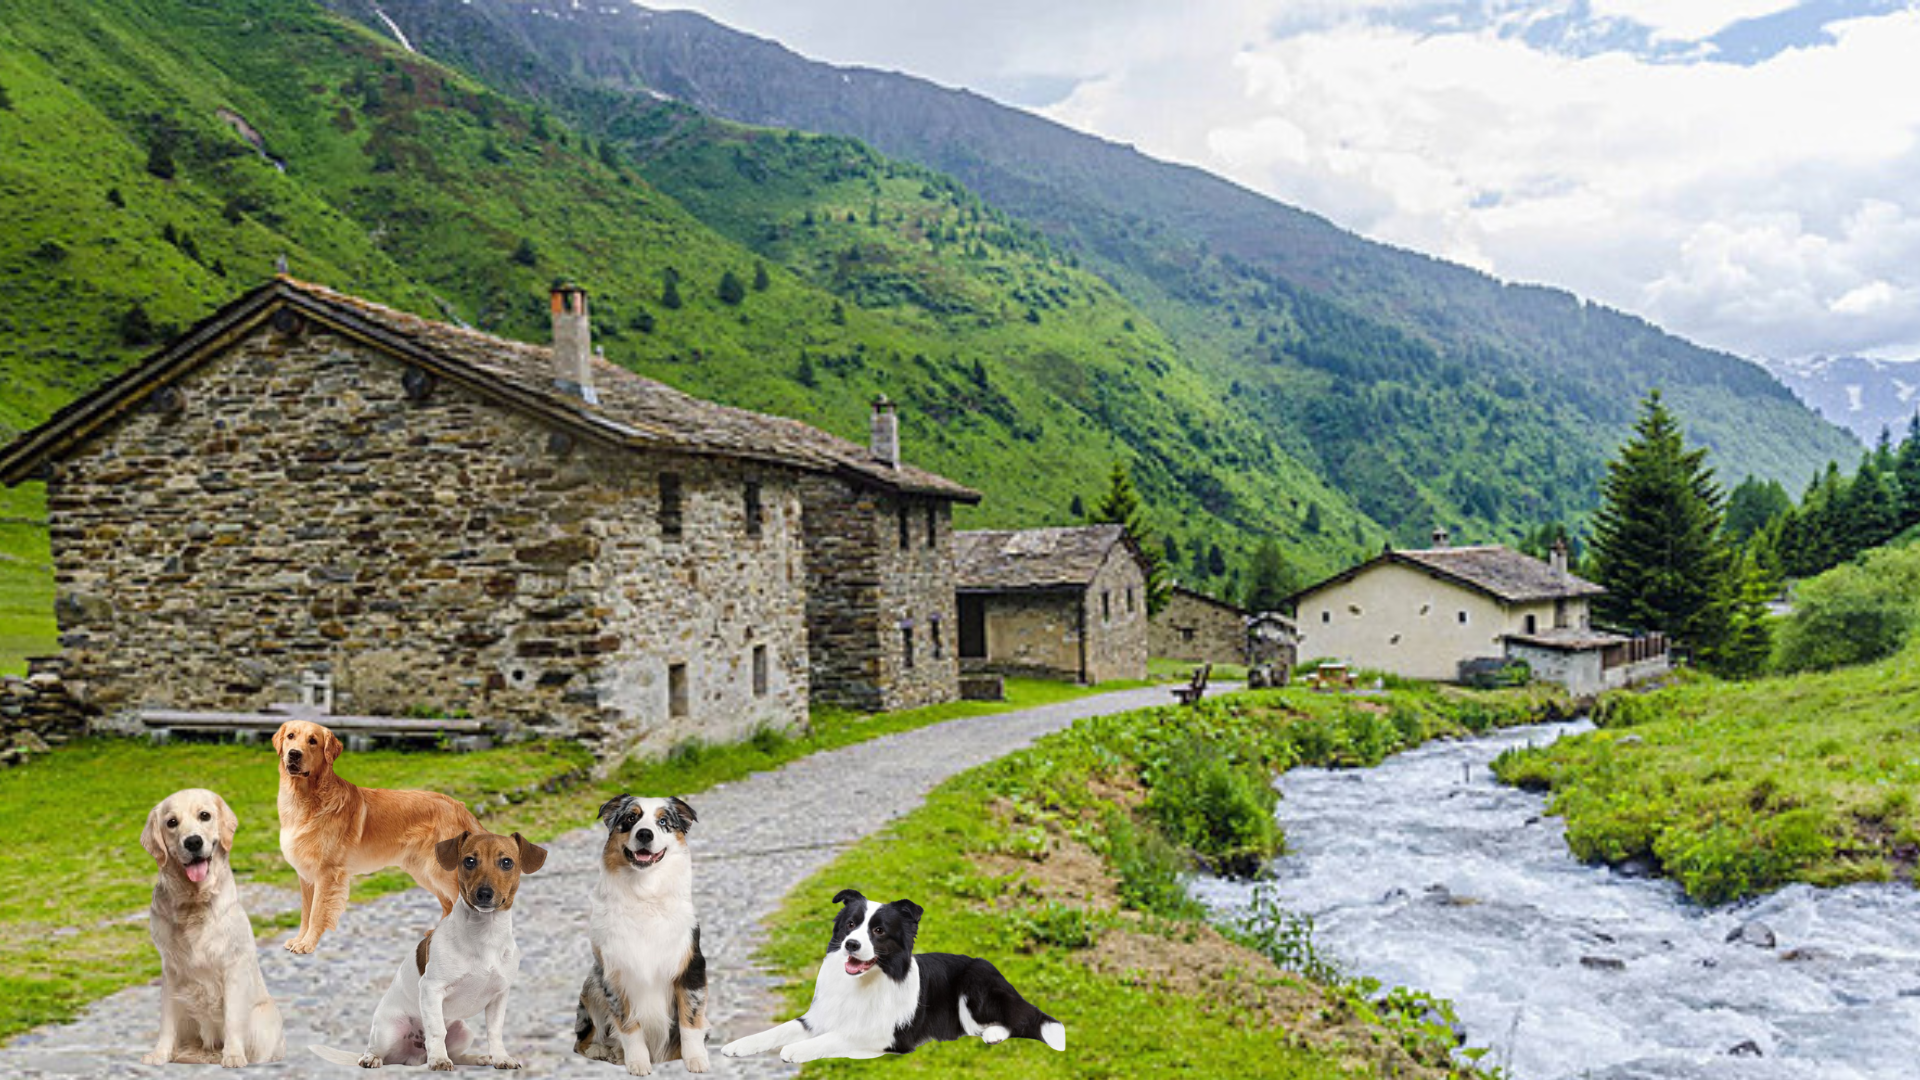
x,y
1149,869
1056,924
1220,808
1853,614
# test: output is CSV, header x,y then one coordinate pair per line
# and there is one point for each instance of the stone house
x,y
1059,603
1198,629
311,487
1423,614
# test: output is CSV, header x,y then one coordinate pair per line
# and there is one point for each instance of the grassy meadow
x,y
26,579
1739,788
1070,884
81,932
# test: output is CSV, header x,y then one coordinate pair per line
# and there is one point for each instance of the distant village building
x,y
1061,603
1423,614
308,487
1273,641
1198,629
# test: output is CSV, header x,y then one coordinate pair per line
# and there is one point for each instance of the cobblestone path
x,y
757,838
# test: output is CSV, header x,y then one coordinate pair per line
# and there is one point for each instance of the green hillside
x,y
163,154
1429,392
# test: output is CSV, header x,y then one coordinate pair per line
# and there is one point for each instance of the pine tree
x,y
1311,523
1656,545
670,289
1753,506
1121,506
760,279
1749,641
1906,469
6,99
731,290
1078,507
1271,581
525,255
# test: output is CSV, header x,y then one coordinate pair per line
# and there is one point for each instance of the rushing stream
x,y
1426,872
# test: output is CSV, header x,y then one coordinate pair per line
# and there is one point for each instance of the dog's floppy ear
x,y
532,855
908,910
150,836
611,808
229,823
447,852
847,896
680,807
280,737
334,747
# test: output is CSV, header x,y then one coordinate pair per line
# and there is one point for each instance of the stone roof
x,y
633,411
1212,601
1500,572
1011,560
1570,639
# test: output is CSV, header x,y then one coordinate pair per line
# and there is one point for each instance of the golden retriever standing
x,y
331,830
214,1005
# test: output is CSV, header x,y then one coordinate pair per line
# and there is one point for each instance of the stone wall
x,y
1033,633
295,510
1198,630
867,593
36,713
1116,619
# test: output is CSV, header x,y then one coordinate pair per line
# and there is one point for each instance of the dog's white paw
x,y
301,946
155,1057
786,1055
440,1064
501,1061
697,1063
732,1049
233,1059
371,1061
994,1033
639,1068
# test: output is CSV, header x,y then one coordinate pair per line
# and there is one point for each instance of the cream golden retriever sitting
x,y
214,1005
331,830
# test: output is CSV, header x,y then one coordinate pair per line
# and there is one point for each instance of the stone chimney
x,y
573,343
886,433
1557,557
1441,538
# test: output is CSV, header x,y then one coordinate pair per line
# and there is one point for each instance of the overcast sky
x,y
1745,172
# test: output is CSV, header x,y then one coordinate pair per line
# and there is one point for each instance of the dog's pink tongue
x,y
856,967
197,871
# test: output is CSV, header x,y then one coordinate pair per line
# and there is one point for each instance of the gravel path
x,y
756,839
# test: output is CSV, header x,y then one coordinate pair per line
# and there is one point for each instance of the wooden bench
x,y
358,732
1196,688
1332,677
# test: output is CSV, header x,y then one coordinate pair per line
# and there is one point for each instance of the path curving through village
x,y
757,838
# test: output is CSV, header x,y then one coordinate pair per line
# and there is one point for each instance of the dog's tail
x,y
1054,1034
337,1057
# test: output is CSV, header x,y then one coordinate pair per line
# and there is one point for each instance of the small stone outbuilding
x,y
308,486
1068,603
1198,629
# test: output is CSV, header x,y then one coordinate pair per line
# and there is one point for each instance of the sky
x,y
1743,172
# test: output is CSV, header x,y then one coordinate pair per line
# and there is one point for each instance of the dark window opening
x,y
906,528
906,646
973,628
670,508
939,647
756,515
1463,618
1106,606
1533,623
1129,599
677,690
933,526
1327,616
759,671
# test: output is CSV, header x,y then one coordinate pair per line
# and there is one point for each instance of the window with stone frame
x,y
906,645
759,671
671,506
1129,599
906,527
939,647
1106,606
678,704
756,513
933,526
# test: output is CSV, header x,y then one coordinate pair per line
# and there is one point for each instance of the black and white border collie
x,y
874,996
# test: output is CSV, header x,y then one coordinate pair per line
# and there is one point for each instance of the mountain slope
x,y
1426,390
164,153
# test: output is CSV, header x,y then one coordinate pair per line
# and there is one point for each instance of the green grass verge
x,y
1739,788
1093,789
80,932
1164,669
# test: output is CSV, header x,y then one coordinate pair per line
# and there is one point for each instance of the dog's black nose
x,y
484,894
853,946
194,843
293,755
645,836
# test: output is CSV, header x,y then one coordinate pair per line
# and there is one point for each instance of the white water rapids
x,y
1427,873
